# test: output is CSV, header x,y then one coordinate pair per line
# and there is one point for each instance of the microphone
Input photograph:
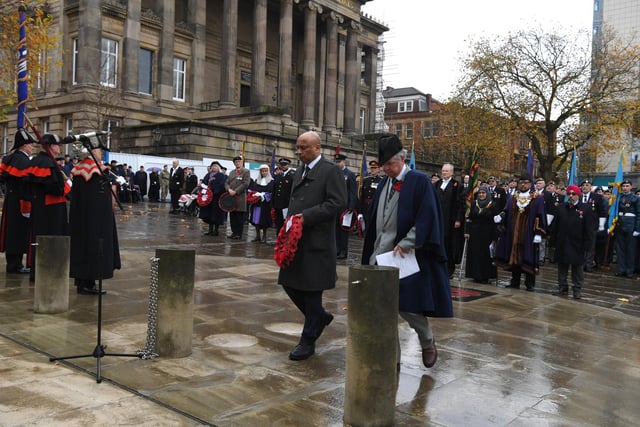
x,y
69,139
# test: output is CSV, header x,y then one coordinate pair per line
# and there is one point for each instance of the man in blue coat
x,y
627,229
405,217
318,194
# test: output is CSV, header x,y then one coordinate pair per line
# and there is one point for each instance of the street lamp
x,y
157,137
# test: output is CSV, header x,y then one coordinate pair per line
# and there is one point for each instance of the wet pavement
x,y
509,357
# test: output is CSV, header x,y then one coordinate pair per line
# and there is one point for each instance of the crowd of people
x,y
443,222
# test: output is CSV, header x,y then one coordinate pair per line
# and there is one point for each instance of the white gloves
x,y
120,180
601,222
549,219
636,234
497,219
203,185
537,238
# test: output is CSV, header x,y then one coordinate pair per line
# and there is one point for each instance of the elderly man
x,y
525,224
237,185
405,217
176,180
451,200
318,195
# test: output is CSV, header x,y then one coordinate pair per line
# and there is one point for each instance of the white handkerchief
x,y
408,264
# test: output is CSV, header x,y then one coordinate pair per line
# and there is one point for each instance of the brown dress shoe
x,y
429,356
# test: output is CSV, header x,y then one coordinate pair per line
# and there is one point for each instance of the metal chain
x,y
149,351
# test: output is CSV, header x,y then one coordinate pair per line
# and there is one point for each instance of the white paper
x,y
285,211
346,219
408,264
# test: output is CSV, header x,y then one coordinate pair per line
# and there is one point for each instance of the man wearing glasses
x,y
570,230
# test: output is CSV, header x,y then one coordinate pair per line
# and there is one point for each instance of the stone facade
x,y
229,71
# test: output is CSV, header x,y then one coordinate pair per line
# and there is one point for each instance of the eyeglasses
x,y
572,193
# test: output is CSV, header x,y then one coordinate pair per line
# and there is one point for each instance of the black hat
x,y
23,138
284,161
50,138
626,181
388,146
374,164
340,157
607,190
237,158
586,181
215,162
525,177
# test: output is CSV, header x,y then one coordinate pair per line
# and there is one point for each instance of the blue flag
x,y
273,163
573,172
613,200
412,161
23,82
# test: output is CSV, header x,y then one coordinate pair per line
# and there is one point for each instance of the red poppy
x,y
397,186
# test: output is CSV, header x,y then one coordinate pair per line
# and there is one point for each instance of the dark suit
x,y
320,197
281,195
498,197
342,237
452,211
175,186
598,209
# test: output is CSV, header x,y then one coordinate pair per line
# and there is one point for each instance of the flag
x,y
363,169
573,172
412,161
273,163
242,152
613,200
530,162
23,80
337,149
473,178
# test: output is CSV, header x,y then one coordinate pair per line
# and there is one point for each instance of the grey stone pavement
x,y
509,357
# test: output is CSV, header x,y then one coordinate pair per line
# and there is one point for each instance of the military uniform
x,y
368,190
626,230
282,193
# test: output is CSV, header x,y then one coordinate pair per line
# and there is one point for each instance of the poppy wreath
x,y
287,242
252,198
360,227
205,196
354,220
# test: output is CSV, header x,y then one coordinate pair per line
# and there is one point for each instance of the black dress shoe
x,y
302,352
560,292
90,291
341,256
577,294
19,270
512,286
328,318
621,274
530,288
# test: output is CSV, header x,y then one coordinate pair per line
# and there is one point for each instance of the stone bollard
x,y
372,346
52,275
176,273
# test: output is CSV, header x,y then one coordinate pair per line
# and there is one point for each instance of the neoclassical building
x,y
195,78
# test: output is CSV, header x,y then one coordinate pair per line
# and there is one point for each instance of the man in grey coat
x,y
318,194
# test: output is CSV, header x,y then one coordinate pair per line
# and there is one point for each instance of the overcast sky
x,y
427,38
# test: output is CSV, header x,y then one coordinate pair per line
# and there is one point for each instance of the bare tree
x,y
553,90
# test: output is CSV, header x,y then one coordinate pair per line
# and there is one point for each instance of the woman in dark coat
x,y
95,252
260,212
211,213
154,185
480,231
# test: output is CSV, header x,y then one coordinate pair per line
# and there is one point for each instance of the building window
x,y
74,70
45,126
430,129
40,75
68,127
179,78
363,113
399,130
145,71
109,73
408,131
405,106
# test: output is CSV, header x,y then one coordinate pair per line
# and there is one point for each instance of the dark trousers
x,y
310,305
14,262
529,279
626,251
577,276
279,220
175,196
236,220
342,240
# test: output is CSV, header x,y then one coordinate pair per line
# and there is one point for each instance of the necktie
x,y
305,171
585,198
393,184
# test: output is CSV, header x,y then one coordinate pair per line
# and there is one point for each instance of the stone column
x,y
52,275
372,346
131,51
89,42
176,274
372,73
286,47
330,115
198,20
259,58
351,85
166,53
229,53
311,10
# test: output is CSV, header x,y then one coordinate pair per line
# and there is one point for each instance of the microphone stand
x,y
99,350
